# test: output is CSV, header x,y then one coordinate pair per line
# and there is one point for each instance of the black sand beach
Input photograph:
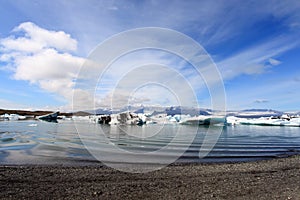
x,y
269,179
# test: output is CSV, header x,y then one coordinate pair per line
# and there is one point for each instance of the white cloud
x,y
47,65
274,62
35,39
253,60
41,57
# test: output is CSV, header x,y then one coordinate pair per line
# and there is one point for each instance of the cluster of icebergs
x,y
15,117
284,120
129,118
12,117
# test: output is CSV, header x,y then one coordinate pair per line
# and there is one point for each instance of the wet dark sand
x,y
271,179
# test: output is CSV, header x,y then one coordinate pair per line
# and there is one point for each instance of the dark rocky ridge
x,y
39,113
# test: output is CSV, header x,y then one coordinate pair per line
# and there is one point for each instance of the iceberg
x,y
52,117
12,117
284,120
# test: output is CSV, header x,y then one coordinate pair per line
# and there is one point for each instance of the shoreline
x,y
266,179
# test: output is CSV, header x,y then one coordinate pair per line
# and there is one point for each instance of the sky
x,y
44,45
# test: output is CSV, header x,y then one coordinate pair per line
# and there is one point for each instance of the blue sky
x,y
255,45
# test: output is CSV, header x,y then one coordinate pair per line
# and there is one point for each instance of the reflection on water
x,y
37,142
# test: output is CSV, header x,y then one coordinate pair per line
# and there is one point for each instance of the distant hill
x,y
259,110
80,113
24,112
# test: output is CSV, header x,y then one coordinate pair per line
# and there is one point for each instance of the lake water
x,y
37,142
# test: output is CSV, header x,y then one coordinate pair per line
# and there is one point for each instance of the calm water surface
x,y
36,142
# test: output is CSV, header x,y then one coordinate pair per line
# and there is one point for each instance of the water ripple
x,y
47,143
